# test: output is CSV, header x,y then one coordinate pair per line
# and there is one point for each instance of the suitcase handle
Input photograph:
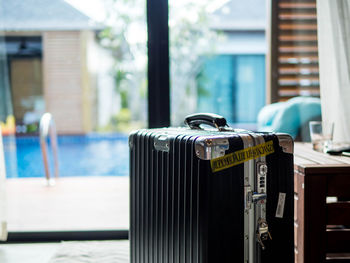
x,y
195,120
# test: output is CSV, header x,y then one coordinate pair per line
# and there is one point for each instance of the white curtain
x,y
333,18
3,223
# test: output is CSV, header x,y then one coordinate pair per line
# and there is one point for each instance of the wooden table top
x,y
305,158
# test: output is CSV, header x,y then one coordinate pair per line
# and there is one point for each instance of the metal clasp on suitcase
x,y
250,197
254,197
262,232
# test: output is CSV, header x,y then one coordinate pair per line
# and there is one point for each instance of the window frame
x,y
158,63
158,116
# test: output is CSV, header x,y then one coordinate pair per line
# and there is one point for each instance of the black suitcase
x,y
211,195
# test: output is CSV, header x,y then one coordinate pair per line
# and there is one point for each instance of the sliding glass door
x,y
85,63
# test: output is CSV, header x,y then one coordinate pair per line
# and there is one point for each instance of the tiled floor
x,y
75,203
66,252
28,253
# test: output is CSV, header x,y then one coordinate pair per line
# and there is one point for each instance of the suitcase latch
x,y
251,197
162,143
248,198
262,232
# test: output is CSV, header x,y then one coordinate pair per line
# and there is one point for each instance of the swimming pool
x,y
83,155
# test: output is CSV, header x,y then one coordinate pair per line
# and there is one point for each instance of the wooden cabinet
x,y
322,206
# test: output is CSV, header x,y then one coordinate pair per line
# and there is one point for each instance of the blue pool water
x,y
90,155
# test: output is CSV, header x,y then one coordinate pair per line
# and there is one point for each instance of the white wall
x,y
3,224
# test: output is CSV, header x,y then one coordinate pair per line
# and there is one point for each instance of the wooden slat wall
x,y
63,80
296,50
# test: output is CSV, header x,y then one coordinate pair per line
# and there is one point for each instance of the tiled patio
x,y
75,203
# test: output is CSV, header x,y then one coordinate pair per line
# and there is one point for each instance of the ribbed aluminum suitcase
x,y
211,195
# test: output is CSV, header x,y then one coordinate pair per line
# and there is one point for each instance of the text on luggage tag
x,y
241,156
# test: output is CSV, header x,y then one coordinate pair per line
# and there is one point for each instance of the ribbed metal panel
x,y
164,201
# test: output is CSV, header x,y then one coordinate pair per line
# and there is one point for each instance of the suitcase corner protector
x,y
286,142
211,148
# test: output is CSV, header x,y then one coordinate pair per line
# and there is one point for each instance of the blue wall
x,y
232,86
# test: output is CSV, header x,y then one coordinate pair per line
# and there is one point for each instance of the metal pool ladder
x,y
47,126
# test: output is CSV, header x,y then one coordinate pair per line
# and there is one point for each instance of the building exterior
x,y
51,69
233,80
47,46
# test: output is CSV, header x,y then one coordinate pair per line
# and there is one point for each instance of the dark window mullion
x,y
158,64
